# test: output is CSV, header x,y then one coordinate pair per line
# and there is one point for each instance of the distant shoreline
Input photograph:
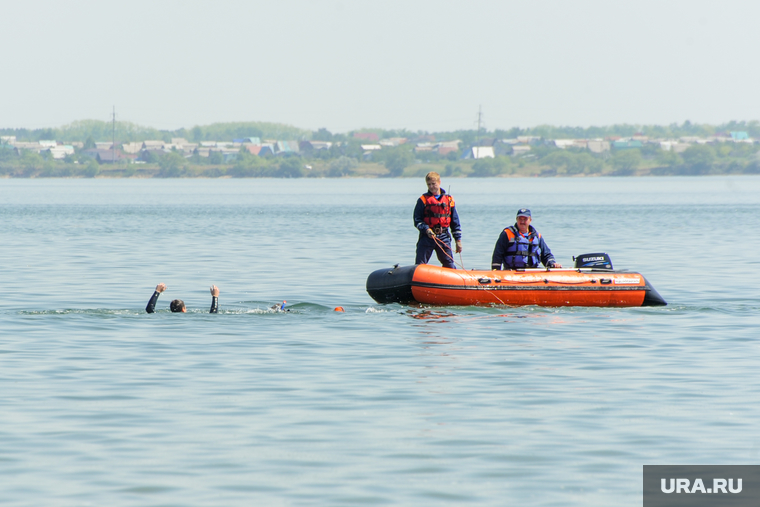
x,y
261,150
115,175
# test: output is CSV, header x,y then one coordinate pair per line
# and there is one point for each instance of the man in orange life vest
x,y
434,213
521,246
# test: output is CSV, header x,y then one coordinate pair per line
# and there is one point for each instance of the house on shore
x,y
476,152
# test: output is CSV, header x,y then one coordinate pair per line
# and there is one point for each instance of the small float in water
x,y
592,282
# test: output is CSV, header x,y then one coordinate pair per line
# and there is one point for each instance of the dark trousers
x,y
426,245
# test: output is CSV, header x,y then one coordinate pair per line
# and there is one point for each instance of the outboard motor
x,y
594,261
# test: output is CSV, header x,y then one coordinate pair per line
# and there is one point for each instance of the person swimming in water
x,y
177,305
279,307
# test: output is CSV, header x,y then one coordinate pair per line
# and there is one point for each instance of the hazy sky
x,y
347,64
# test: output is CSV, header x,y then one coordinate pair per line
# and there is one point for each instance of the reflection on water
x,y
433,315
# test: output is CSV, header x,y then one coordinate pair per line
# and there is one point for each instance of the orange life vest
x,y
437,213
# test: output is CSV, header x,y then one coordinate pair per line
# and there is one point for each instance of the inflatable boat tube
x,y
435,285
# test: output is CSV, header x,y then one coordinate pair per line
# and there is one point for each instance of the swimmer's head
x,y
177,306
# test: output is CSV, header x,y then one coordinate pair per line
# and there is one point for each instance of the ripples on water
x,y
104,404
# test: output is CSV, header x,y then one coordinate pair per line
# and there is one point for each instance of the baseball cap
x,y
523,212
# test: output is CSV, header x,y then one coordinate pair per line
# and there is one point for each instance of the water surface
x,y
103,404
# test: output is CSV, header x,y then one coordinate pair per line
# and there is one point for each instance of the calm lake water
x,y
103,404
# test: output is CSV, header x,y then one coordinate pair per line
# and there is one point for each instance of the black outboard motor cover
x,y
593,260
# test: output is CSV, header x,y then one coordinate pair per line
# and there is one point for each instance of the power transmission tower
x,y
480,125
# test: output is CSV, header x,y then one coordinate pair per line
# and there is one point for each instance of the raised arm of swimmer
x,y
214,299
151,308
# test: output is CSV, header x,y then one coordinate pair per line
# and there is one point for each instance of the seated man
x,y
521,246
177,305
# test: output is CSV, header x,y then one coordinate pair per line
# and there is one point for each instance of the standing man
x,y
521,246
434,213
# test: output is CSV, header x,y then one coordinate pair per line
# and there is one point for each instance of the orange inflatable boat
x,y
435,285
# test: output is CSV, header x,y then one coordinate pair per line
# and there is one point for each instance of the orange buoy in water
x,y
339,309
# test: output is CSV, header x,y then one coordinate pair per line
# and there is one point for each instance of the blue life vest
x,y
523,251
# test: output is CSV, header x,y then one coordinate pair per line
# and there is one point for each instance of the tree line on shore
x,y
346,157
129,132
